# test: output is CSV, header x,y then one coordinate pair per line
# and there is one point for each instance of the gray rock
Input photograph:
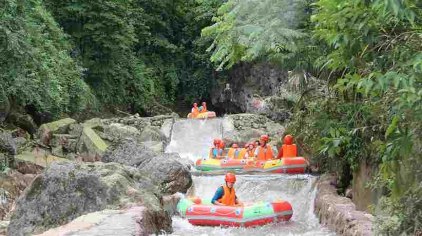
x,y
7,143
339,213
66,191
133,221
241,128
90,145
165,169
151,133
46,131
115,132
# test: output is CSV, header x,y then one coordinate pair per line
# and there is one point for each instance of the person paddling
x,y
226,195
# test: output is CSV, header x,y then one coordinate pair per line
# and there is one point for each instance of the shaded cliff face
x,y
253,88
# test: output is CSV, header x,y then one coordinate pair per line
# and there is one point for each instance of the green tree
x,y
35,65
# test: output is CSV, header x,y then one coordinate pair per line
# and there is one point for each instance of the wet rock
x,y
65,191
164,169
339,213
46,131
137,221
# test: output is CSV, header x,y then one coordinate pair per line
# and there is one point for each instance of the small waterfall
x,y
192,139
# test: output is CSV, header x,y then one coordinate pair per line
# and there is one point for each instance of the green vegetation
x,y
69,56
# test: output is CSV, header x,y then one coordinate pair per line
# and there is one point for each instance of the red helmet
x,y
288,139
264,138
195,104
230,177
222,144
235,145
217,141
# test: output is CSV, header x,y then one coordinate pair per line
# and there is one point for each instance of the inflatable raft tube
x,y
201,212
288,165
205,115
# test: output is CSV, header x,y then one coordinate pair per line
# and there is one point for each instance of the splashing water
x,y
298,190
192,140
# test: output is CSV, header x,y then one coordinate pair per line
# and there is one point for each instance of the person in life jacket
x,y
204,107
242,152
195,110
234,151
226,195
256,143
288,149
250,151
222,146
216,152
264,152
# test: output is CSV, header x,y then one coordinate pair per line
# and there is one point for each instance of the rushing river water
x,y
192,138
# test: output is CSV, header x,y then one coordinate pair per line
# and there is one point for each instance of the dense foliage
x,y
35,64
135,55
366,107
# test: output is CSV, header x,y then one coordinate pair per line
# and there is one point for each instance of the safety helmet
x,y
222,144
230,177
264,138
288,139
217,141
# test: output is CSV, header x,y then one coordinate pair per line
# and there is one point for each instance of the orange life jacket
x,y
195,112
264,154
229,196
204,109
242,153
289,150
251,153
230,154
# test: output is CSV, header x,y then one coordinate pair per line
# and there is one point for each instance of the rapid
x,y
192,139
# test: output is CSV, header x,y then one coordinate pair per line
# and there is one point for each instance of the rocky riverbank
x,y
339,213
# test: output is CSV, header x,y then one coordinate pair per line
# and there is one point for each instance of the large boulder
x,y
12,183
90,145
66,191
165,169
46,131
